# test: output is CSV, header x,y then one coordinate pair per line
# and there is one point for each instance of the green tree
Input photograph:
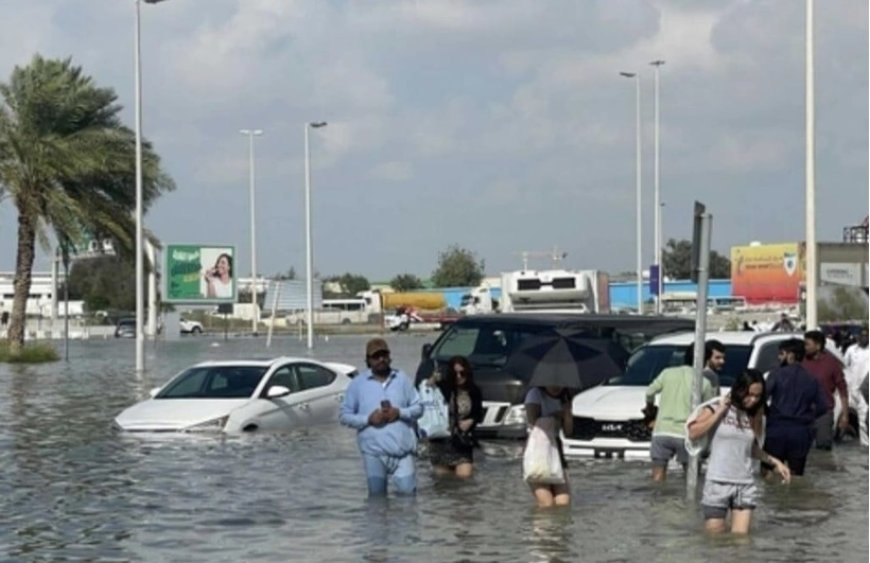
x,y
288,275
350,285
105,282
457,267
677,261
406,282
68,164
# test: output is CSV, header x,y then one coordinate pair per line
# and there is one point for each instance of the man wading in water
x,y
382,405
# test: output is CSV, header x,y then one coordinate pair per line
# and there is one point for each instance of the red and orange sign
x,y
768,273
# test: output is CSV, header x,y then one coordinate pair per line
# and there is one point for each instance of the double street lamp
x,y
251,133
309,253
636,77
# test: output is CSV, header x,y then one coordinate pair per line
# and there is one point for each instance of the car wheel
x,y
250,428
345,321
196,330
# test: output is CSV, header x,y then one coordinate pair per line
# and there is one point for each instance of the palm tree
x,y
68,164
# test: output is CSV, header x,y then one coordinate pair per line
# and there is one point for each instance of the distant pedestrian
x,y
829,373
783,325
732,425
550,407
4,318
455,454
747,327
714,361
382,405
857,365
669,433
796,402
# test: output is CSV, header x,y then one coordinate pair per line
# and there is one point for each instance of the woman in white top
x,y
734,426
219,279
553,403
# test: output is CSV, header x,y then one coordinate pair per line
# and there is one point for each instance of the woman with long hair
x,y
550,407
734,427
219,279
454,455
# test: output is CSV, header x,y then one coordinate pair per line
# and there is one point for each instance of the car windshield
x,y
214,382
647,362
491,345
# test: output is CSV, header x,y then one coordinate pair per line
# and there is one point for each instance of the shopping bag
x,y
435,422
541,461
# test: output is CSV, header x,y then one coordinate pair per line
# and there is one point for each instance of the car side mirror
x,y
426,351
154,391
277,391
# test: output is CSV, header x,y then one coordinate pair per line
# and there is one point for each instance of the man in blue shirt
x,y
382,404
796,401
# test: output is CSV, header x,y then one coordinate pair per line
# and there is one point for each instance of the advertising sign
x,y
200,274
837,273
768,273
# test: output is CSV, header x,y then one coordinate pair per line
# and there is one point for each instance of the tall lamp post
x,y
657,203
309,253
811,273
140,262
636,77
251,133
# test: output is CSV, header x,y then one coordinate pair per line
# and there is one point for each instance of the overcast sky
x,y
500,125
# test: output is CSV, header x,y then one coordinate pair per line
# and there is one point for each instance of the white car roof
x,y
737,337
256,362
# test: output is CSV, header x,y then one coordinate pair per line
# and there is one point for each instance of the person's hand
x,y
391,414
377,418
843,422
465,425
781,470
725,401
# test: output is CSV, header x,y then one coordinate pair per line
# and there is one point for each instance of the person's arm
x,y
533,410
707,391
349,411
840,385
567,418
708,418
778,466
476,407
654,389
414,408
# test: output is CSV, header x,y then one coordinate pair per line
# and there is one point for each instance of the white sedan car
x,y
243,396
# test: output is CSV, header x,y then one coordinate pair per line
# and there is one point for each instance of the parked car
x,y
190,327
126,328
243,396
607,419
489,340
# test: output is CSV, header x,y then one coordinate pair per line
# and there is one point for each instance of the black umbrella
x,y
569,360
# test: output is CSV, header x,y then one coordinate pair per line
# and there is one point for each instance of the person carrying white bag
x,y
548,410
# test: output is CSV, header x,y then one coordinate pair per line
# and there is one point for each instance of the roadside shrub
x,y
30,354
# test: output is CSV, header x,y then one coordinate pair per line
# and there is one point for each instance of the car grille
x,y
588,429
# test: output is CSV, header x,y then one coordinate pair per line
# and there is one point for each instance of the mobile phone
x,y
385,404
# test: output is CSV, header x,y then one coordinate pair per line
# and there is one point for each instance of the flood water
x,y
75,489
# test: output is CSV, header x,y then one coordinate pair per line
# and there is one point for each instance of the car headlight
x,y
214,425
515,415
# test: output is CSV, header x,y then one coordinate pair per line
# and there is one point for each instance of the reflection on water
x,y
75,489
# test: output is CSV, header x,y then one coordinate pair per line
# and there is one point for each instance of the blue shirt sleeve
x,y
414,408
349,414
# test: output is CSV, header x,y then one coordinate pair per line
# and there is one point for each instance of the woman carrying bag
x,y
548,410
454,455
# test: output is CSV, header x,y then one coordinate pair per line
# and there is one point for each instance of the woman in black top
x,y
455,455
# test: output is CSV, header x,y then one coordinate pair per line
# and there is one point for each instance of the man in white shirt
x,y
856,366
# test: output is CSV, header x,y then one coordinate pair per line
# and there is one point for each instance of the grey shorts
x,y
663,448
718,497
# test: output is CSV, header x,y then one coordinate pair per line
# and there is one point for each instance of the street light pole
x,y
140,266
639,216
309,253
811,277
140,261
251,133
657,203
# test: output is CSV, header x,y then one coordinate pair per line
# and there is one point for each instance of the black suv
x,y
489,340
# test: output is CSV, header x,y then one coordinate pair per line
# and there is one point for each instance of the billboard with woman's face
x,y
200,274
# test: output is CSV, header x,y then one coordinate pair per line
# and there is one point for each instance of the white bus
x,y
334,311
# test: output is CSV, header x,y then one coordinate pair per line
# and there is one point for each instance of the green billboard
x,y
198,273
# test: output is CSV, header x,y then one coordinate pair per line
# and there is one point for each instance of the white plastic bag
x,y
435,422
541,461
